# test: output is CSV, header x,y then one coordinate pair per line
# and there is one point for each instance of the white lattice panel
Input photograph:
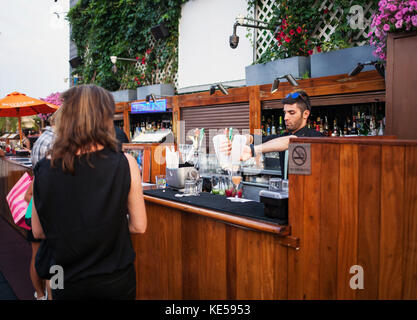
x,y
263,12
161,75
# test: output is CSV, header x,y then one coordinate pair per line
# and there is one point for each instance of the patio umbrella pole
x,y
20,125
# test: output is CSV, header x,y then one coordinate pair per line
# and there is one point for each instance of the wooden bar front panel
x,y
367,210
187,256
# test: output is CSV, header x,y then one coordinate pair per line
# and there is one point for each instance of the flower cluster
x,y
294,40
54,98
392,16
293,22
137,76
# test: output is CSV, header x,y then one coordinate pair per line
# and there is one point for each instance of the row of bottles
x,y
361,124
269,126
150,126
364,120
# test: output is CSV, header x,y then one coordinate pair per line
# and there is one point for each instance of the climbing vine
x,y
101,29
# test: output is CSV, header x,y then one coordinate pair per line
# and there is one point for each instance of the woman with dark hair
x,y
87,198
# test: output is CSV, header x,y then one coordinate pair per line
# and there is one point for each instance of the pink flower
x,y
382,3
393,8
414,20
399,15
386,27
399,24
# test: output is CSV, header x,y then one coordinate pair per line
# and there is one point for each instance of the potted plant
x,y
294,23
392,16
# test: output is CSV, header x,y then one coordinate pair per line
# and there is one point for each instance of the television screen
x,y
149,107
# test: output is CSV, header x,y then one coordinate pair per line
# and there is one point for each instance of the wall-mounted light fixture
x,y
160,31
75,62
150,97
240,22
289,78
223,88
359,67
114,59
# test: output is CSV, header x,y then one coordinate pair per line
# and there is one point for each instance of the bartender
x,y
297,109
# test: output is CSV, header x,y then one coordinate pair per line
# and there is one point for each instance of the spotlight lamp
x,y
114,59
356,70
359,67
152,97
288,77
223,88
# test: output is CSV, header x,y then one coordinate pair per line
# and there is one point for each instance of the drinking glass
x,y
236,180
189,187
215,184
161,181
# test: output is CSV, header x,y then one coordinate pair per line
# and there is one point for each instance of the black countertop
x,y
250,209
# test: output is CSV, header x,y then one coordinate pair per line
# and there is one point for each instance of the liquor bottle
x,y
273,129
354,130
268,129
318,122
321,126
326,127
263,130
348,126
335,129
381,128
280,126
372,127
357,123
345,130
363,125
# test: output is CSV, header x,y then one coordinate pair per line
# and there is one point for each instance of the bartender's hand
x,y
246,153
277,144
226,147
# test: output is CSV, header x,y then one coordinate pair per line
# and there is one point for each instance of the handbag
x,y
16,200
44,260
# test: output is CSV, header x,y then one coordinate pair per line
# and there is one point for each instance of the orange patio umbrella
x,y
19,105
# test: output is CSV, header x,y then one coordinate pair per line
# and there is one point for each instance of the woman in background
x,y
87,199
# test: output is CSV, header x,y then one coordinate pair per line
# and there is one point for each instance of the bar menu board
x,y
149,107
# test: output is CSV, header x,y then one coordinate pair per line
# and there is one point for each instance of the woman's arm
x,y
36,224
135,201
29,192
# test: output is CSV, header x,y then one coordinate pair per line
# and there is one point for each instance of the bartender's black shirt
x,y
303,132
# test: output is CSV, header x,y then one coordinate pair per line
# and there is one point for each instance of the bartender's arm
x,y
274,145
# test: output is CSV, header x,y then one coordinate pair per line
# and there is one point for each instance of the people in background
x,y
25,139
121,137
88,199
41,148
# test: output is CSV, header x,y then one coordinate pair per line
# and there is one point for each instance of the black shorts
x,y
29,233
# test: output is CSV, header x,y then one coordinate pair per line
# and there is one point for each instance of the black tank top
x,y
83,215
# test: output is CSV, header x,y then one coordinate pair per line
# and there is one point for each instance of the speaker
x,y
160,31
75,62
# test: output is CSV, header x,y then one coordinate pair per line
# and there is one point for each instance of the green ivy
x,y
101,29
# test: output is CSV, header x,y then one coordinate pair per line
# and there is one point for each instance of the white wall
x,y
205,56
34,47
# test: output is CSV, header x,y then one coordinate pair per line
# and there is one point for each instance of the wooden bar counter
x,y
10,172
357,210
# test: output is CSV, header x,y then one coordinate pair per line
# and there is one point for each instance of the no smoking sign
x,y
299,158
